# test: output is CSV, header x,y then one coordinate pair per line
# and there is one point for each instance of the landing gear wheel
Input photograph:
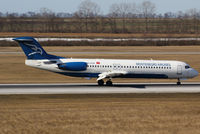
x,y
109,83
179,82
100,82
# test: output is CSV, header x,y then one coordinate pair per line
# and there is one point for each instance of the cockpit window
x,y
187,67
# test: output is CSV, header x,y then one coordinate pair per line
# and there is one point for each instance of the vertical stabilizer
x,y
33,49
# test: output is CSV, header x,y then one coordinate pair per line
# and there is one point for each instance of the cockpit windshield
x,y
187,67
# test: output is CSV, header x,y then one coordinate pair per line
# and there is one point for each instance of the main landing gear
x,y
179,82
100,82
108,83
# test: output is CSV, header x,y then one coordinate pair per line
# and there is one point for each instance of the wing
x,y
110,74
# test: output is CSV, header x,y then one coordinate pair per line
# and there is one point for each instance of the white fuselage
x,y
131,68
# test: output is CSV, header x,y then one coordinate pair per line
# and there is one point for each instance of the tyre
x,y
100,82
109,83
178,83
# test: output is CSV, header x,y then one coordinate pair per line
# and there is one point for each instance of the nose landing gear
x,y
179,82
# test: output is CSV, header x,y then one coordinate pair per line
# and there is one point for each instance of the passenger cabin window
x,y
187,67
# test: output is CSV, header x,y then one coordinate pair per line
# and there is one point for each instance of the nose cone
x,y
194,73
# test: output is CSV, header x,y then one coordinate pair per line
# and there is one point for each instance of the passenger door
x,y
179,70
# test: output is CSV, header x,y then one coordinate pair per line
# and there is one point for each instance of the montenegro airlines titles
x,y
103,68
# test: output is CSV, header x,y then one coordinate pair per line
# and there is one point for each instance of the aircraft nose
x,y
194,73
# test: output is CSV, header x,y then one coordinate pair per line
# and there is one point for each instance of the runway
x,y
92,88
120,53
107,39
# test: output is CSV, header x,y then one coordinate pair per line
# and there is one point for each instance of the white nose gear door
x,y
179,70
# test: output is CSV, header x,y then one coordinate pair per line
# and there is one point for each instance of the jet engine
x,y
73,66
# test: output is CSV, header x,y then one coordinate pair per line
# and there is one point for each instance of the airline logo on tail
x,y
34,48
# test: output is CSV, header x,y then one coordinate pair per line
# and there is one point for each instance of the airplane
x,y
103,69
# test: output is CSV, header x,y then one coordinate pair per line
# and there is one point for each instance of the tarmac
x,y
93,88
134,53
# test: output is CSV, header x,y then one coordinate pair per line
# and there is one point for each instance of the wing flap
x,y
110,74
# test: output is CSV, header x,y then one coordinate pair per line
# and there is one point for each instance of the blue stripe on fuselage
x,y
95,75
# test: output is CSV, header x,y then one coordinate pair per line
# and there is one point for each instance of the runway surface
x,y
133,53
108,39
92,88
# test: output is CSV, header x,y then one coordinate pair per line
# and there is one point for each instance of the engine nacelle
x,y
73,66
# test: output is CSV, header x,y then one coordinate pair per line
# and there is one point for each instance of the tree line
x,y
121,18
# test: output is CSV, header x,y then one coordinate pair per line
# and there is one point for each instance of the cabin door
x,y
179,70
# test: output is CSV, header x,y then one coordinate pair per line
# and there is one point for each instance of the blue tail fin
x,y
33,49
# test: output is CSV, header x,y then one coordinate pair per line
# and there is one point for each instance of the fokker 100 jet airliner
x,y
103,68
